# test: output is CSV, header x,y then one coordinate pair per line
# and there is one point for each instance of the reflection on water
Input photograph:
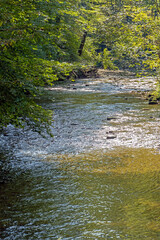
x,y
97,179
107,195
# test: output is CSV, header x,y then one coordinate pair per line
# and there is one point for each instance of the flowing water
x,y
98,178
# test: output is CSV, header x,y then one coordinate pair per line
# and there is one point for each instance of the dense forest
x,y
42,41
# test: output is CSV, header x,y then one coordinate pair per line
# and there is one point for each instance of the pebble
x,y
111,137
111,118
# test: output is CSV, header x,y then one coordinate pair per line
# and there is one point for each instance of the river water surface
x,y
98,178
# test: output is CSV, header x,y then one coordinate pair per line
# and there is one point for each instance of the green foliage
x,y
129,31
36,37
107,61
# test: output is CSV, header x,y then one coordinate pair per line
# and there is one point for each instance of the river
x,y
98,178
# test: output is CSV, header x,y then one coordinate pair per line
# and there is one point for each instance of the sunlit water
x,y
97,179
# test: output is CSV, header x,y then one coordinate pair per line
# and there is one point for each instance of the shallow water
x,y
97,179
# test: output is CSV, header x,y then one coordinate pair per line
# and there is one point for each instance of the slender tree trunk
x,y
80,50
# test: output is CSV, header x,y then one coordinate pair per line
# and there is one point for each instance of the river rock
x,y
109,132
152,99
111,137
111,118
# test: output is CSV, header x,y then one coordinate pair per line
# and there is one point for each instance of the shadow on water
x,y
97,179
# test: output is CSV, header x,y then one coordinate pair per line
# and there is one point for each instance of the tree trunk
x,y
82,43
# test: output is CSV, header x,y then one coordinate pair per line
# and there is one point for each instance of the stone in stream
x,y
109,132
111,137
152,99
152,102
111,118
